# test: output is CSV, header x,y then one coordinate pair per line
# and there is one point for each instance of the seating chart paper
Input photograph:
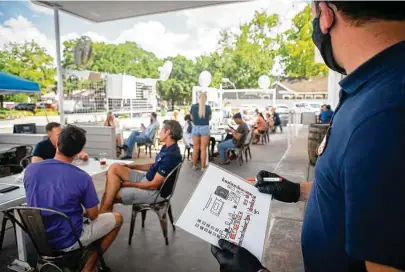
x,y
226,206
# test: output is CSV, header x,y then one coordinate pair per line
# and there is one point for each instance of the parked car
x,y
305,106
281,108
27,107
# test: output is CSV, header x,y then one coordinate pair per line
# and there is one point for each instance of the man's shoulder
x,y
44,143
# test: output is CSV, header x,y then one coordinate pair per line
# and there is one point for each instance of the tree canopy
x,y
297,50
242,56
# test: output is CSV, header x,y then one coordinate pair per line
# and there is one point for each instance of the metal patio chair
x,y
31,221
162,208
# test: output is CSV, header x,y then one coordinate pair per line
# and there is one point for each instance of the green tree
x,y
245,56
126,58
29,61
183,76
297,50
173,91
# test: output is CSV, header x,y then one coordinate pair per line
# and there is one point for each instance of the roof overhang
x,y
105,11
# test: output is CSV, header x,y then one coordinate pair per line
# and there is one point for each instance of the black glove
x,y
284,191
233,258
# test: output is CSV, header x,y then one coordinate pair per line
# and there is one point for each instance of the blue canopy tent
x,y
10,84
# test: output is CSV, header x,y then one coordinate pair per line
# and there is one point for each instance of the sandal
x,y
225,163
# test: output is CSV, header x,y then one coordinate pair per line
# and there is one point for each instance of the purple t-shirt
x,y
62,187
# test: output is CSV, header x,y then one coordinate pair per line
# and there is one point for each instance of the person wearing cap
x,y
238,138
355,215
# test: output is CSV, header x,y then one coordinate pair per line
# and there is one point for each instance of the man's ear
x,y
56,144
327,17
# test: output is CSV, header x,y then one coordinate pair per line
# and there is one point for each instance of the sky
x,y
189,32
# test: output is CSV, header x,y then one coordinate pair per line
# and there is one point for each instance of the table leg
x,y
20,264
21,243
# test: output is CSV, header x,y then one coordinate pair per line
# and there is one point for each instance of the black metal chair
x,y
148,145
248,144
31,222
162,208
187,149
5,171
16,154
26,161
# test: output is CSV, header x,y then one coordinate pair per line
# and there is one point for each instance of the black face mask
x,y
324,44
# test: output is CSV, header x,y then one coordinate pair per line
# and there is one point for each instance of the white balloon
x,y
264,82
165,70
168,66
205,79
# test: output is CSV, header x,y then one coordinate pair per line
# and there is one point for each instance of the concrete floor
x,y
188,253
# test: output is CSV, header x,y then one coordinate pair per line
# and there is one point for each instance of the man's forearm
x,y
305,190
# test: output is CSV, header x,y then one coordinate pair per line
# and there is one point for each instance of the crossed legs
x,y
115,175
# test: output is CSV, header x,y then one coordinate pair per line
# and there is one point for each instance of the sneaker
x,y
194,168
125,157
203,169
123,147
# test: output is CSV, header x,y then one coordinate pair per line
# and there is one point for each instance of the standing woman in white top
x,y
201,116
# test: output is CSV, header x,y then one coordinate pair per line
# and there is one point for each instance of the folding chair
x,y
162,208
188,150
31,221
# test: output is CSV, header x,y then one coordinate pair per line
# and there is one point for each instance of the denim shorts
x,y
201,131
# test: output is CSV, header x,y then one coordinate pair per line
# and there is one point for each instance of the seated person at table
x,y
238,138
46,149
140,137
69,189
326,114
260,127
126,185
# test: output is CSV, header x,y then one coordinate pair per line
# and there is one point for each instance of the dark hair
x,y
71,140
176,132
187,117
51,126
154,115
328,107
362,11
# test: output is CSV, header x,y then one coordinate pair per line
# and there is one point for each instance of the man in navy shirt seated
x,y
326,114
58,185
126,185
355,215
46,149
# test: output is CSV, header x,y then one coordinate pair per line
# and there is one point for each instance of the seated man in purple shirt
x,y
58,185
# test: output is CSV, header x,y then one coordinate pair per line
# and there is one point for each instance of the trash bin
x,y
315,136
308,118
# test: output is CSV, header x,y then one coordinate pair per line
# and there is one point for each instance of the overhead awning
x,y
10,84
104,11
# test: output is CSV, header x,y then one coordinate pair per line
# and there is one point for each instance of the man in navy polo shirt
x,y
126,185
355,217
